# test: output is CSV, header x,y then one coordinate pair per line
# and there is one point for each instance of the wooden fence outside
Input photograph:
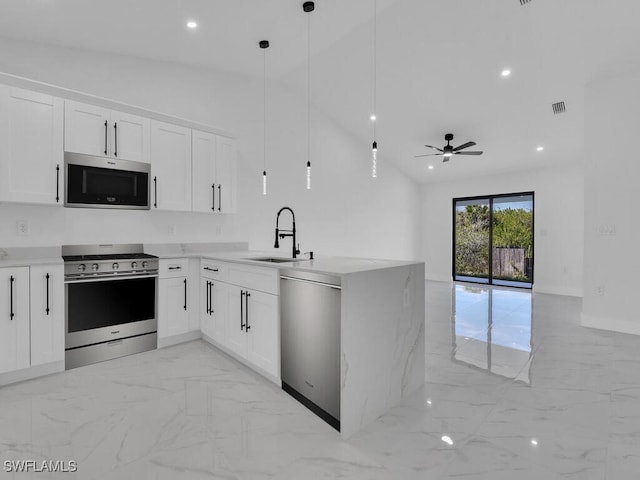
x,y
510,263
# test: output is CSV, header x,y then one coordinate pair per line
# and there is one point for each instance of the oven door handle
x,y
106,278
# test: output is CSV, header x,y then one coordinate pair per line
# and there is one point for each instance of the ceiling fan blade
x,y
446,159
468,153
435,148
427,155
464,145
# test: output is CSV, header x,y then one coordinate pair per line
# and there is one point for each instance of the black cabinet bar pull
x,y
47,309
178,267
11,314
106,134
185,294
210,298
220,197
207,293
155,192
210,269
57,183
115,138
211,287
213,194
241,310
246,311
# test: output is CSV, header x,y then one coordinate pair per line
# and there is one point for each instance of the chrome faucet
x,y
288,233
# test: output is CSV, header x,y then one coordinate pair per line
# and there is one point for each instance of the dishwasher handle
x,y
322,284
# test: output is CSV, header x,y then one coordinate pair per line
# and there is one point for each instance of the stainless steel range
x,y
110,294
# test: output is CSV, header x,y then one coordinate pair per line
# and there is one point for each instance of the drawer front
x,y
173,267
214,270
264,279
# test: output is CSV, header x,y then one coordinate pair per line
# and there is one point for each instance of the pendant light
x,y
264,44
308,7
374,115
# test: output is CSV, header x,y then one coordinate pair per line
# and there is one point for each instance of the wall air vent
x,y
558,108
524,2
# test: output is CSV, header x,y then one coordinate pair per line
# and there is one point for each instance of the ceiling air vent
x,y
558,108
524,2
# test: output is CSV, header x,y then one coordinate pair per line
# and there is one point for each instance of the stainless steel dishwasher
x,y
310,341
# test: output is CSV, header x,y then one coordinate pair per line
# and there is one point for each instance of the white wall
x,y
559,212
612,176
345,213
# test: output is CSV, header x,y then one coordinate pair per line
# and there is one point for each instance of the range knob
x,y
134,264
115,266
82,267
145,264
95,267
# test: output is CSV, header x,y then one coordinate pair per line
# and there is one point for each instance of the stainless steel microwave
x,y
97,182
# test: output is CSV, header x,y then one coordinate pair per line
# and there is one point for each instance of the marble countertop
x,y
320,264
230,252
27,256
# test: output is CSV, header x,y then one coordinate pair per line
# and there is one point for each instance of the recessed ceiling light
x,y
192,24
373,117
539,149
534,442
506,72
430,167
447,439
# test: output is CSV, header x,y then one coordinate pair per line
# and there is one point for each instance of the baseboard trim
x,y
550,289
438,278
610,324
31,373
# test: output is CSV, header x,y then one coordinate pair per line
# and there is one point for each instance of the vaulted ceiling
x,y
439,63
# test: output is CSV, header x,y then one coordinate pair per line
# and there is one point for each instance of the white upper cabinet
x,y
98,131
226,176
131,137
31,152
171,166
203,154
214,173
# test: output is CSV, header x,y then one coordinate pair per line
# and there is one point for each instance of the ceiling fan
x,y
448,151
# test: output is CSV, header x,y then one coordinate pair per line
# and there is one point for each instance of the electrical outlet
x,y
218,230
607,229
600,291
172,229
23,227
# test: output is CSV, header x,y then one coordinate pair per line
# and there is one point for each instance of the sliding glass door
x,y
493,239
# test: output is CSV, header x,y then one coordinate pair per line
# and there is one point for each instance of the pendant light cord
x,y
309,88
375,65
264,110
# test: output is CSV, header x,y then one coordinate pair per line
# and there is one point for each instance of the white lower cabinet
x,y
14,319
263,332
173,313
214,299
32,316
253,328
47,314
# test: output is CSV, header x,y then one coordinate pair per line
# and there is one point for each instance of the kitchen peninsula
x,y
381,319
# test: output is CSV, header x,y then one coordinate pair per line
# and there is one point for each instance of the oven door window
x,y
104,186
110,302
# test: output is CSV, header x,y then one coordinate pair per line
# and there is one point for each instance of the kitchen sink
x,y
273,259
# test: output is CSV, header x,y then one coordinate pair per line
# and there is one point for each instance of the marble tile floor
x,y
515,389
